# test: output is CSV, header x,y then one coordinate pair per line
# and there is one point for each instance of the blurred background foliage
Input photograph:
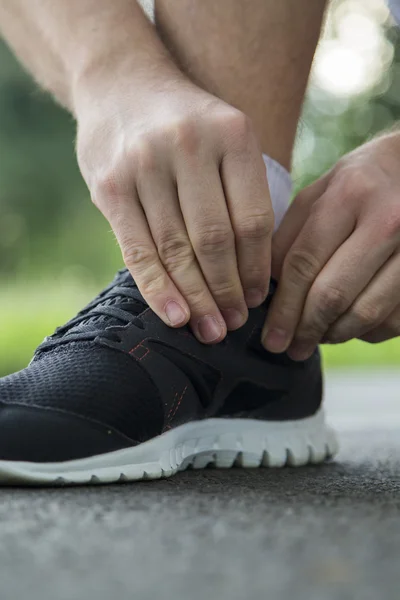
x,y
56,250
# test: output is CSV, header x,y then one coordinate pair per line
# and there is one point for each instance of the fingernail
x,y
300,351
233,318
175,313
254,297
209,328
275,340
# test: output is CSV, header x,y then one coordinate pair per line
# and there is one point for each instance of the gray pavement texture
x,y
315,533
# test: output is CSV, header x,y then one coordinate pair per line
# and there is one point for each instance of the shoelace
x,y
127,305
120,303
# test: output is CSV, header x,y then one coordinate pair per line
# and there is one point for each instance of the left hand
x,y
337,256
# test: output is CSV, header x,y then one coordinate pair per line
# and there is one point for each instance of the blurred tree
x,y
332,125
43,199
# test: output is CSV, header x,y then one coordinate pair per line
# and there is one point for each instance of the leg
x,y
254,55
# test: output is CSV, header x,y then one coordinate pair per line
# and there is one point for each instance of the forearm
x,y
64,43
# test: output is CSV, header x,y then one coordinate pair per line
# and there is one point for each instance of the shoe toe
x,y
74,403
32,434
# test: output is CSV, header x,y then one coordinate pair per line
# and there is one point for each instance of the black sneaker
x,y
116,395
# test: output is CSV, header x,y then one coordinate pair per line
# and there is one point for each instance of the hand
x,y
337,256
180,177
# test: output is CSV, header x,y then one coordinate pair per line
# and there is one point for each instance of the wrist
x,y
118,75
117,56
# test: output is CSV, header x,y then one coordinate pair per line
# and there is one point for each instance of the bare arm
x,y
61,43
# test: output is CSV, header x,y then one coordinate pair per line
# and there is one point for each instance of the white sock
x,y
280,187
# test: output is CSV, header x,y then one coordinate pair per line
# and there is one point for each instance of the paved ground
x,y
314,533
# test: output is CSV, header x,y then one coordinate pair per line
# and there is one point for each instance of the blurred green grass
x,y
30,312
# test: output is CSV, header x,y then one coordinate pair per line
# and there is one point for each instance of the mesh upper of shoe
x,y
91,381
116,295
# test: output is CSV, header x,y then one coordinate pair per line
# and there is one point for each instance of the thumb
x,y
293,222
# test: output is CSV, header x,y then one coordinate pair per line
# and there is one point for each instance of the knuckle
x,y
257,226
175,251
225,290
214,240
105,187
367,314
137,257
355,182
390,225
330,302
312,328
238,126
239,123
152,283
142,155
336,335
197,295
185,136
300,265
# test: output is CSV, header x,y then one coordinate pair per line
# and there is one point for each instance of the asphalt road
x,y
316,533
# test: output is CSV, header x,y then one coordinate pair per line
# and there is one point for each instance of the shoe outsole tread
x,y
220,443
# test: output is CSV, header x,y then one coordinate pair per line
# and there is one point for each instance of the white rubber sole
x,y
222,443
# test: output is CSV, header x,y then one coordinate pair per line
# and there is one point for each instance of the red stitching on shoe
x,y
171,414
133,349
251,333
139,346
145,354
172,405
180,400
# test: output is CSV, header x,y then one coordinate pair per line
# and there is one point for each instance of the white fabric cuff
x,y
280,187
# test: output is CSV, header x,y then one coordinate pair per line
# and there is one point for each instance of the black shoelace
x,y
119,304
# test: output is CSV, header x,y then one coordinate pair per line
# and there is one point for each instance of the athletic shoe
x,y
116,395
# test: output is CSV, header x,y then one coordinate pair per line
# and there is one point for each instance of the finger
x,y
206,216
246,189
293,222
372,307
158,196
129,224
324,231
338,285
388,330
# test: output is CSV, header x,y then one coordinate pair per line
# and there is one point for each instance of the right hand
x,y
180,177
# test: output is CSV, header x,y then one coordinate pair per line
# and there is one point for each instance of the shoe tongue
x,y
124,278
134,306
